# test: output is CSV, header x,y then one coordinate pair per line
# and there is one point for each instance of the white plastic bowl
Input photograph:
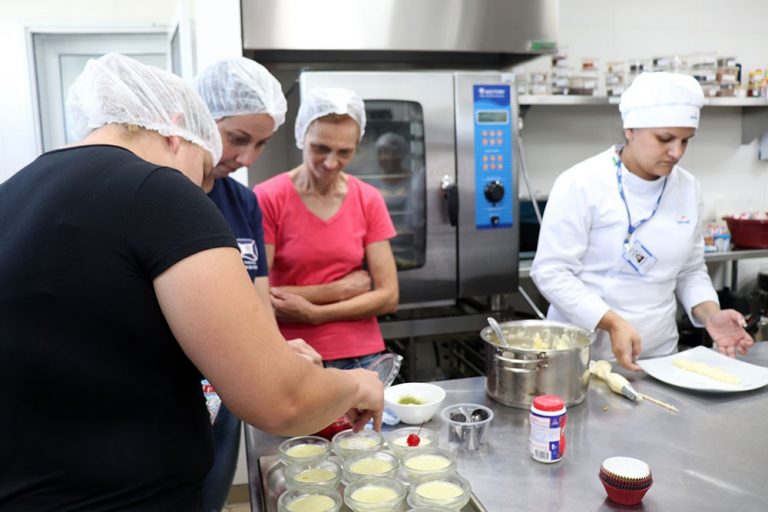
x,y
431,397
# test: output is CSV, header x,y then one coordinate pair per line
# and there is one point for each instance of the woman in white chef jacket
x,y
621,236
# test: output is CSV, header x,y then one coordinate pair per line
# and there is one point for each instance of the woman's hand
x,y
371,402
726,327
625,340
291,307
354,284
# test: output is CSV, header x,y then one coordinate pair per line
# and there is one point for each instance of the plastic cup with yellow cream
x,y
374,494
448,490
348,443
428,462
325,472
370,464
311,498
304,449
397,440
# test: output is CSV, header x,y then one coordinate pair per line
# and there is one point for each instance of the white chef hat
x,y
241,86
320,102
662,99
118,89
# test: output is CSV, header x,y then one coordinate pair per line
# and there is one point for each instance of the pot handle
x,y
518,370
541,362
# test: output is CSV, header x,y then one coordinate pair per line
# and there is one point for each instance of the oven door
x,y
407,153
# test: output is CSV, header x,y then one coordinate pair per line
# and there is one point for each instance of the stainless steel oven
x,y
439,145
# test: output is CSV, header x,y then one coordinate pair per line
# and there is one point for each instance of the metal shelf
x,y
754,120
566,100
735,102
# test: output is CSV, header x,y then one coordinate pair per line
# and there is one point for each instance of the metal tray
x,y
272,480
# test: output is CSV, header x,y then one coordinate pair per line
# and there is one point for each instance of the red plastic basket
x,y
748,233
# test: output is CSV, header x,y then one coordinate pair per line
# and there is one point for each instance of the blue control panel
x,y
494,194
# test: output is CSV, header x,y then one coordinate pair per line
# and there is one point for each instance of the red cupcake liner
x,y
625,496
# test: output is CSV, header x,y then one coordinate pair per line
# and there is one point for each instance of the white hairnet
x,y
320,102
661,99
240,86
118,89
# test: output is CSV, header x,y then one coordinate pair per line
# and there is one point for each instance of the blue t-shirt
x,y
241,209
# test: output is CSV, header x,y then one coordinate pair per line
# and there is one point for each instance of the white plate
x,y
752,376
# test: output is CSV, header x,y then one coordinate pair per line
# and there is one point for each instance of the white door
x,y
59,59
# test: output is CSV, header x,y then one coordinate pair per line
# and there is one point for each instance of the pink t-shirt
x,y
309,250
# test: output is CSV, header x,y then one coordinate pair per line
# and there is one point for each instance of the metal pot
x,y
539,357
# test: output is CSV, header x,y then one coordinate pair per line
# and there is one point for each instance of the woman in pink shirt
x,y
326,235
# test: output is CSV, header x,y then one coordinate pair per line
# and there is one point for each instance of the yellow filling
x,y
315,475
707,371
357,443
428,463
315,503
439,490
305,451
561,343
370,466
374,494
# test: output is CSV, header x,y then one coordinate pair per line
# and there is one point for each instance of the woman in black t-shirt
x,y
120,284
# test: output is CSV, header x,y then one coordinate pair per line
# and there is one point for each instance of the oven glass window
x,y
391,158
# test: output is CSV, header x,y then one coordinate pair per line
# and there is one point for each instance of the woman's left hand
x,y
291,307
726,327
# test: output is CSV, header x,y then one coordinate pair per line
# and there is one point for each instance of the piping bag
x,y
618,383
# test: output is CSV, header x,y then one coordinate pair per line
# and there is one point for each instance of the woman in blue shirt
x,y
248,105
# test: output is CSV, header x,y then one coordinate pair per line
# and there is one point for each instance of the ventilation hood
x,y
399,33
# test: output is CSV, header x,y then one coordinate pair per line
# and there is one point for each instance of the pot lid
x,y
387,366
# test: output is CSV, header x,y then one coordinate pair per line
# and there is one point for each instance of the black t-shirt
x,y
100,409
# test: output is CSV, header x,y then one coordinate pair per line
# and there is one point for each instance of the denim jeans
x,y
226,435
352,362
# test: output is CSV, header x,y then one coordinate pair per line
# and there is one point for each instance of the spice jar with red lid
x,y
547,418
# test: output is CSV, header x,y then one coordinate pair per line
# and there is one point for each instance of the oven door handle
x,y
451,196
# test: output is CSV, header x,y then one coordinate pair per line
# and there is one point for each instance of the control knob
x,y
494,191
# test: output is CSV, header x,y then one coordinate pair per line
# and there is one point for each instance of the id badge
x,y
640,258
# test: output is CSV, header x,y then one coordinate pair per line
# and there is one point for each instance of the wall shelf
x,y
754,120
529,100
566,100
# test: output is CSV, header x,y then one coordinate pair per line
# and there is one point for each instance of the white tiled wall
x,y
731,175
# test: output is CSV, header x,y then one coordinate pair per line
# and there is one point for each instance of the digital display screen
x,y
492,117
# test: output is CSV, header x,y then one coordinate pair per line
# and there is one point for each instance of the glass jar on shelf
x,y
615,78
703,67
728,75
636,67
538,83
710,89
582,85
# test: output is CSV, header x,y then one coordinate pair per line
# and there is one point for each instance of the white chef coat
x,y
579,265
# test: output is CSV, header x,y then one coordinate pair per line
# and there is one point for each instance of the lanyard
x,y
634,227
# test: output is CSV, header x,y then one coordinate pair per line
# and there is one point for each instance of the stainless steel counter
x,y
734,256
709,457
